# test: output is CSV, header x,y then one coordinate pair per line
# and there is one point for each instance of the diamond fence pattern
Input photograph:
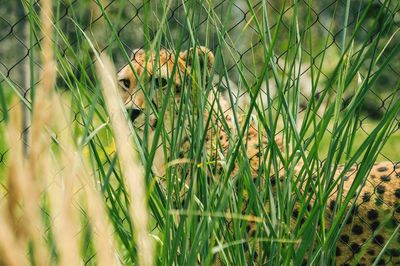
x,y
19,49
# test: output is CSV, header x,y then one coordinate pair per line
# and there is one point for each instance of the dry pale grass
x,y
24,214
62,177
67,183
27,182
74,185
131,167
12,233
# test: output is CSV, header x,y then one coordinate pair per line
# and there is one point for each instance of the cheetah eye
x,y
160,82
126,83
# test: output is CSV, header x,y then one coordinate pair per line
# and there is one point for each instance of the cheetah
x,y
164,75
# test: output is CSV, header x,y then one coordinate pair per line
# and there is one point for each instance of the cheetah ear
x,y
205,57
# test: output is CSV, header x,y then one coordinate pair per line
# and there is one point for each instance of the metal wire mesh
x,y
19,49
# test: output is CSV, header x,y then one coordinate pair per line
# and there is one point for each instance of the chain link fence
x,y
20,46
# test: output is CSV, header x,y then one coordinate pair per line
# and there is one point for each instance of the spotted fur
x,y
376,210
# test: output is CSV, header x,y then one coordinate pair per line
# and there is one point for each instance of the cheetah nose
x,y
134,113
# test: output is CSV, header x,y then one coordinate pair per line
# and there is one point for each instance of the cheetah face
x,y
145,83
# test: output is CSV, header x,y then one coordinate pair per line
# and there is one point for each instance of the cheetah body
x,y
376,211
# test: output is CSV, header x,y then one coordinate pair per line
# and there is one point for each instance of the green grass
x,y
202,227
